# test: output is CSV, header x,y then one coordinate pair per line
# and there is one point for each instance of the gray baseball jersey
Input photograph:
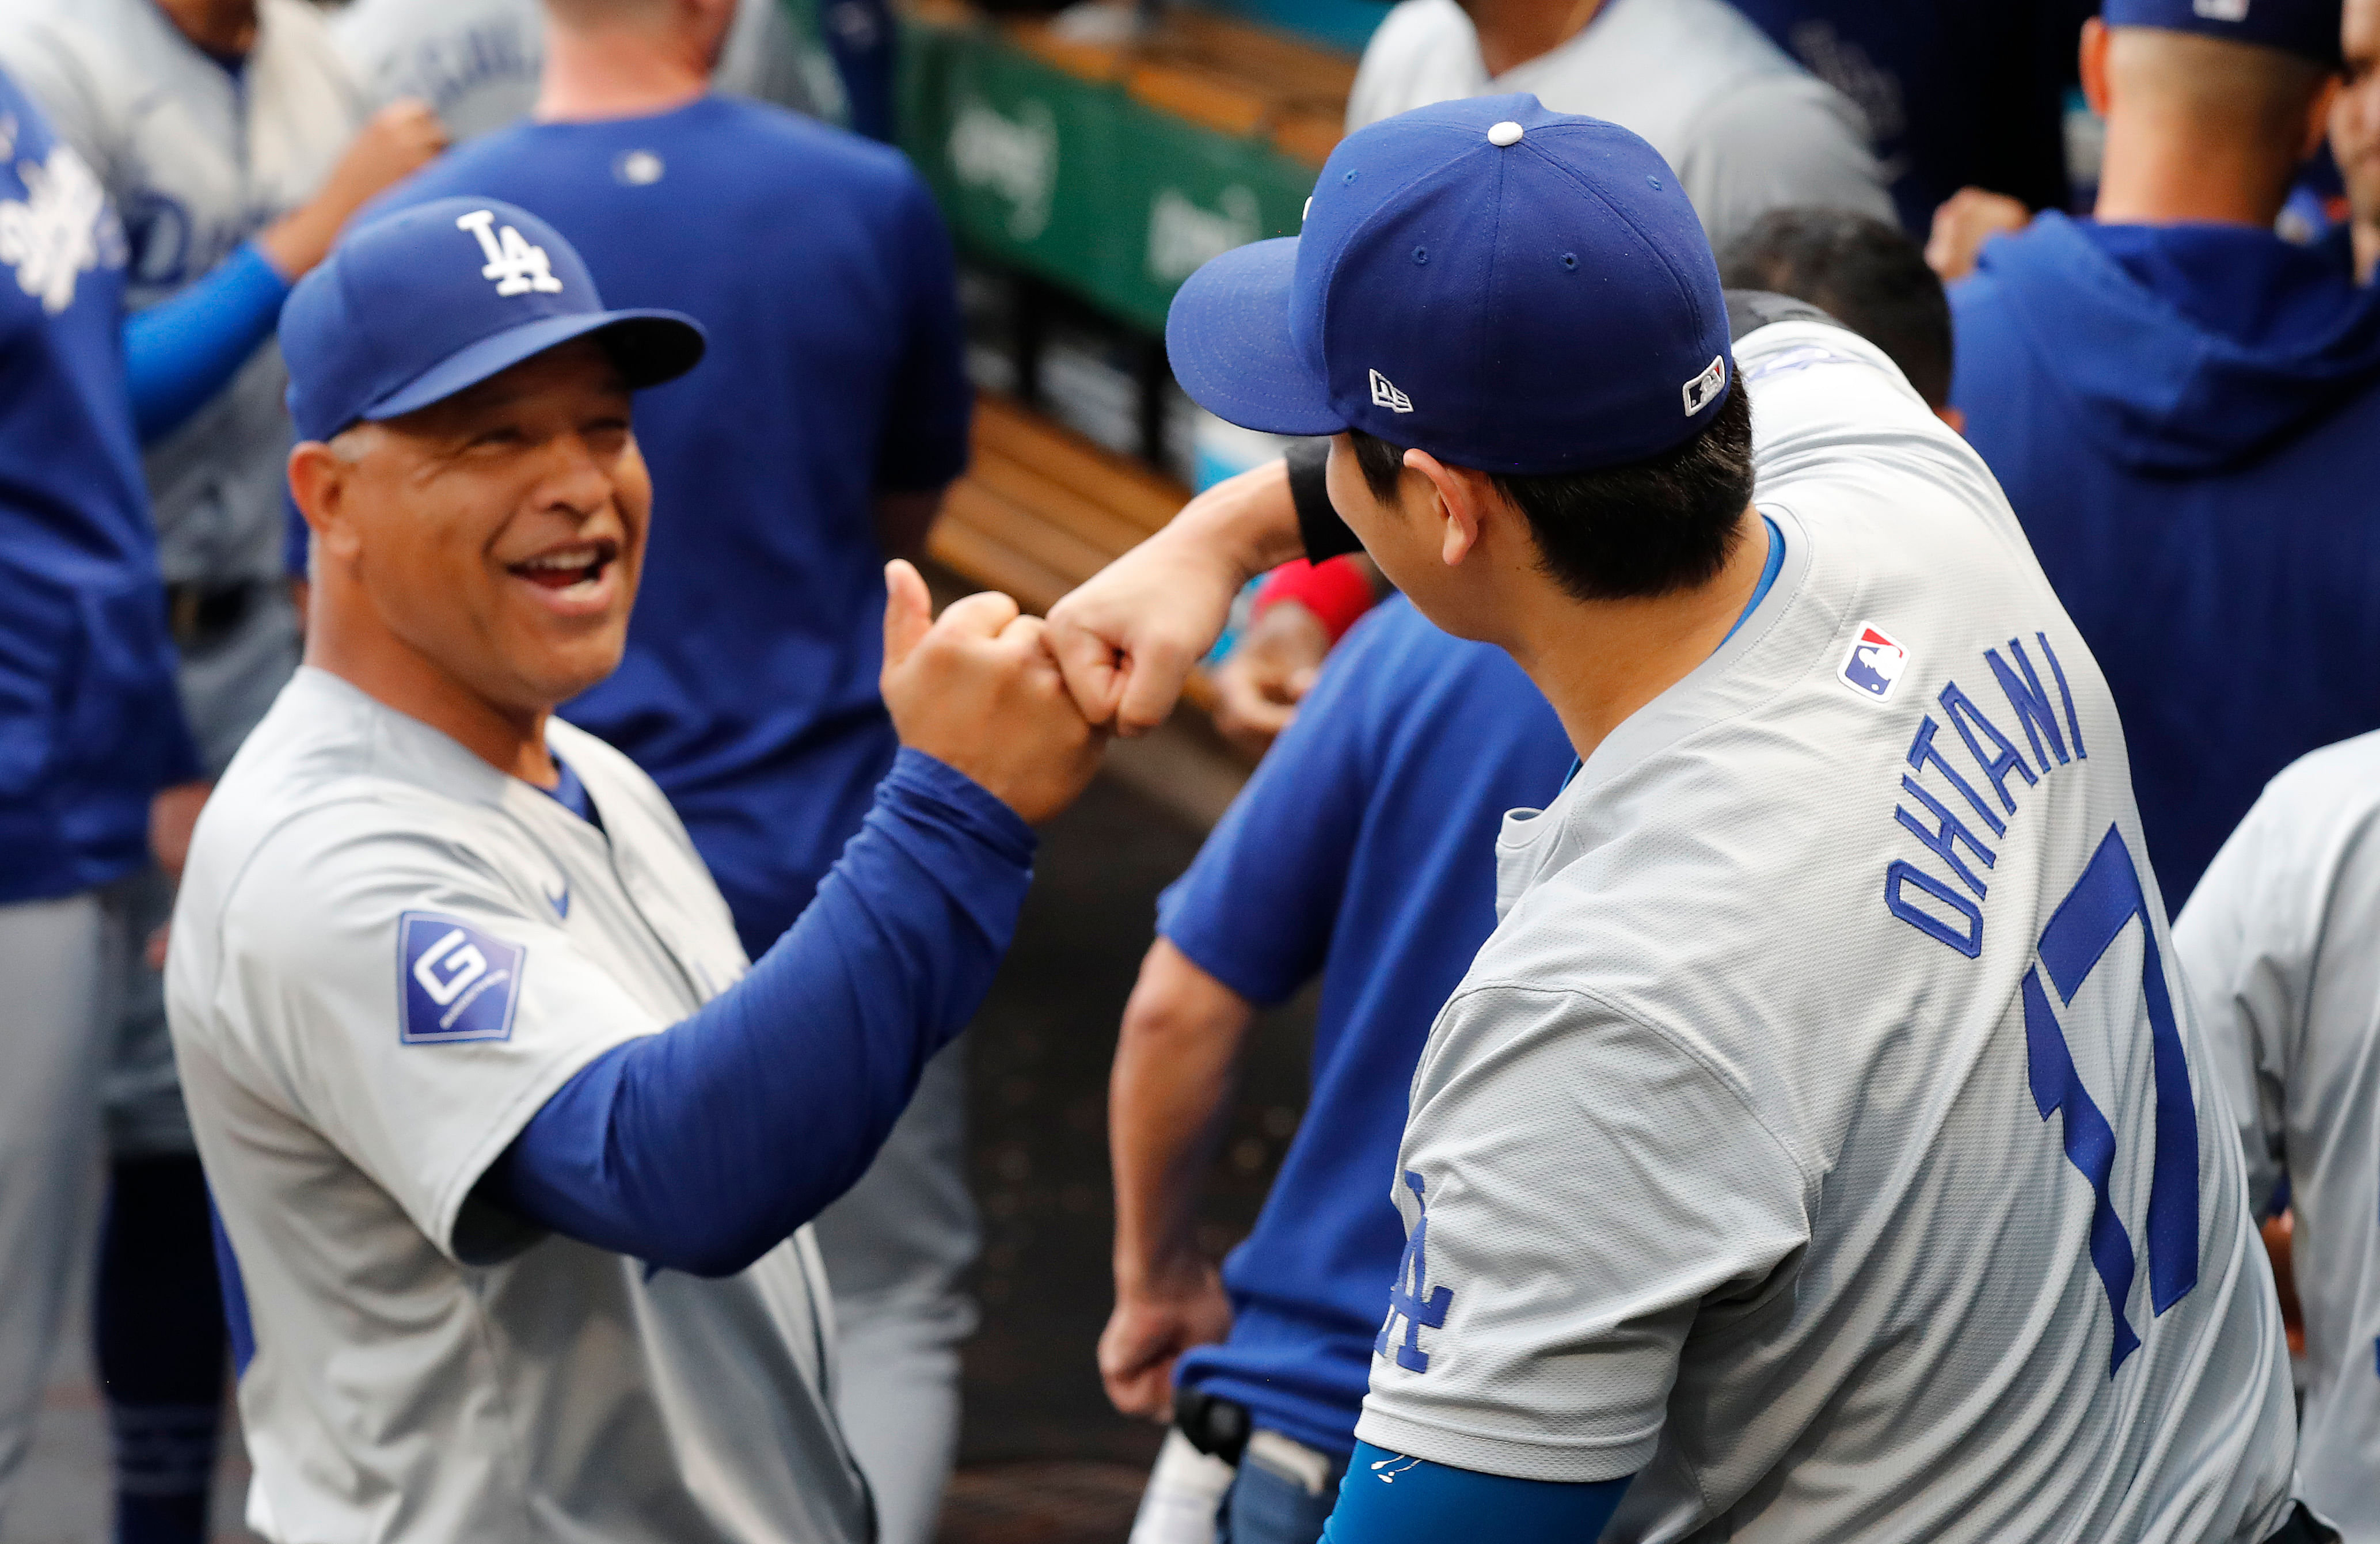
x,y
1746,129
388,955
198,158
476,61
2280,944
1816,1138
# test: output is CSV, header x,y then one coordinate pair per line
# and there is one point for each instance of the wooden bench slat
x,y
1061,506
1024,530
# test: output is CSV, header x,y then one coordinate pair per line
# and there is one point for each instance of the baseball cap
x,y
2306,28
1512,289
416,306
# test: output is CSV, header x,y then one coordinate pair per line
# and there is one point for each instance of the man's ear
x,y
320,480
2094,62
2318,117
1460,498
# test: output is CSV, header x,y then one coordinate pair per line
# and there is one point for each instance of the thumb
x,y
908,609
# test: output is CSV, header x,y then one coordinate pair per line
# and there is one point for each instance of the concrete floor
x,y
1044,1460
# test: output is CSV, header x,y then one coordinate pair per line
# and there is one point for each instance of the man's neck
x,y
1512,32
392,673
617,73
2157,171
226,29
1599,661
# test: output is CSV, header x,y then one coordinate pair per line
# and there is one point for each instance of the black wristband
x,y
1318,525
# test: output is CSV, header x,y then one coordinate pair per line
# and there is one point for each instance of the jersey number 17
x,y
2104,901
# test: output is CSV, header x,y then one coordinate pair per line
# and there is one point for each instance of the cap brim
x,y
650,347
1227,340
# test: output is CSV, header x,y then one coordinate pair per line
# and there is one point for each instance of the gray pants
x,y
896,1249
61,966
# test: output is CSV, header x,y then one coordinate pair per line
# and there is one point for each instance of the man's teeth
x,y
566,560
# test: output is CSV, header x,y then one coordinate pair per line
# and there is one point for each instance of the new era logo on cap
x,y
1703,389
1875,665
1385,394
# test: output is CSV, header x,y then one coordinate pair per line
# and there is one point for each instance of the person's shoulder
x,y
1703,47
487,166
2338,785
812,149
1410,39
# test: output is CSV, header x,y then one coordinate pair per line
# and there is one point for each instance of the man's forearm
x,y
1176,1063
701,1148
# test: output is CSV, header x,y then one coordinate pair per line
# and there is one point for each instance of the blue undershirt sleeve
x,y
703,1147
1389,1499
179,353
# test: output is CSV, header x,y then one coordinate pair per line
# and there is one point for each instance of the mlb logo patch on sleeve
x,y
1875,665
457,983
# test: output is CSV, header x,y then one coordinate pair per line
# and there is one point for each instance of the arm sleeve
x,y
1256,908
2246,955
178,354
403,997
701,1148
925,442
1392,1498
1785,141
1578,1191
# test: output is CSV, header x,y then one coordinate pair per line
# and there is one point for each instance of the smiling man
x,y
514,1152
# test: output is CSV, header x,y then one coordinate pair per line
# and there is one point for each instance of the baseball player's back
x,y
1853,1173
2277,941
433,1368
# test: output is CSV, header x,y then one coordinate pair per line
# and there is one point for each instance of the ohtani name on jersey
x,y
1962,799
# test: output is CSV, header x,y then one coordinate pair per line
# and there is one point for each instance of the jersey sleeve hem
x,y
1564,1463
566,1064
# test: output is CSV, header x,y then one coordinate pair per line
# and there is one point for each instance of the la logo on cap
x,y
1385,394
517,266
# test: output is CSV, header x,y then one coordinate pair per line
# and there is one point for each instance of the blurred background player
x,y
1745,128
91,725
1955,92
2277,946
1363,849
448,977
227,132
815,444
476,62
2175,399
2355,129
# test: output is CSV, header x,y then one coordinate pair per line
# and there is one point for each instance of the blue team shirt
x,y
817,264
1364,848
91,725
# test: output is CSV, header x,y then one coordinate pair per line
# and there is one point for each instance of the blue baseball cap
x,y
418,305
1512,290
2306,28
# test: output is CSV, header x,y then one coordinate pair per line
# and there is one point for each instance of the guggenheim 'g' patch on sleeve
x,y
458,983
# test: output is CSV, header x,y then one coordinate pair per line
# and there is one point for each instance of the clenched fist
x,y
978,691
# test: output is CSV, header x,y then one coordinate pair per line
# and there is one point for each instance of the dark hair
x,y
1865,273
1665,523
